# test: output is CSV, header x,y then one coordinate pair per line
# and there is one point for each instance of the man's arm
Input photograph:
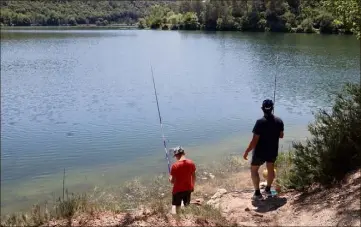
x,y
256,133
282,129
251,145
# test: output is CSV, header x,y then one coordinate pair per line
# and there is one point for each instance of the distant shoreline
x,y
62,27
135,27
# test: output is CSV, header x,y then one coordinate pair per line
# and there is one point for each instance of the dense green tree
x,y
347,13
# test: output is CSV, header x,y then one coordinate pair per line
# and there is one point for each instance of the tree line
x,y
306,16
324,16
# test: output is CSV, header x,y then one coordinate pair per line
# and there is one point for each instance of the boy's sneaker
x,y
257,197
268,193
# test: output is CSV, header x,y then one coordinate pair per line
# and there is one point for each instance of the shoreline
x,y
135,27
64,27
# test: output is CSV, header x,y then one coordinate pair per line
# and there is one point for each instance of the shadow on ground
x,y
269,204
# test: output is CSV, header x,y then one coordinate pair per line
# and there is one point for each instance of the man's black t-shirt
x,y
269,129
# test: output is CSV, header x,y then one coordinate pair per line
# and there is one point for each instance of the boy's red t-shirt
x,y
183,171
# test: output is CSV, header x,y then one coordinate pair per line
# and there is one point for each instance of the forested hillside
x,y
71,12
324,16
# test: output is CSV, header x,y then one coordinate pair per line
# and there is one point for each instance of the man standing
x,y
183,177
265,141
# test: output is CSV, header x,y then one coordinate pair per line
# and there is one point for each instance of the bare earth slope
x,y
337,206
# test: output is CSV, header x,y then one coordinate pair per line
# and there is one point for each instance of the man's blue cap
x,y
267,104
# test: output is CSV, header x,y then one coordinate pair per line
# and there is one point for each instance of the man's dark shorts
x,y
258,161
181,196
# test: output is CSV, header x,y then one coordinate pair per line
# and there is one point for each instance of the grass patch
x,y
204,214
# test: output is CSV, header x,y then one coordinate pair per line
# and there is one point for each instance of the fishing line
x,y
274,92
160,122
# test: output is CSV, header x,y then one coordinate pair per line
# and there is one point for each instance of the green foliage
x,y
101,22
262,23
72,21
290,18
142,23
335,146
306,26
190,21
348,12
157,16
328,16
324,21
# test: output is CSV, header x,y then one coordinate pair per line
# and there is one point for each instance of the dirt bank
x,y
337,206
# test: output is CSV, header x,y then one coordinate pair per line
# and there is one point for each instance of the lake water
x,y
84,100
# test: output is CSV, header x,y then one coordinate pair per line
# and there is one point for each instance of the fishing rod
x,y
274,92
160,121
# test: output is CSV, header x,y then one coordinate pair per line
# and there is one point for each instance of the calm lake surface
x,y
84,100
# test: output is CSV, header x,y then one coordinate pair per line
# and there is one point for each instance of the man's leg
x,y
255,177
255,164
270,175
177,202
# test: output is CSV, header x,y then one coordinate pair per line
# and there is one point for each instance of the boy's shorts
x,y
181,196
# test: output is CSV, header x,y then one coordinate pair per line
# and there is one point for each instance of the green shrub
x,y
174,27
165,27
72,21
174,19
288,27
142,23
306,26
155,23
335,146
190,21
101,22
244,23
253,19
324,22
289,18
262,23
